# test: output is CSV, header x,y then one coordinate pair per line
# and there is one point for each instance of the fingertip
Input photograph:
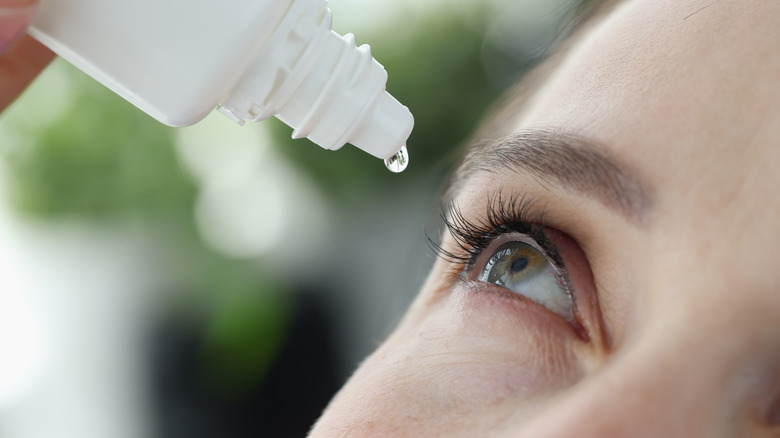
x,y
19,66
14,17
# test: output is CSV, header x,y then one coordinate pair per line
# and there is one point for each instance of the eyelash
x,y
503,216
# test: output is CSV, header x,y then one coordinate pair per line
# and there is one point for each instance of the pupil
x,y
519,264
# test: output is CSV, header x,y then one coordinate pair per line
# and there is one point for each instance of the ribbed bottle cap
x,y
384,129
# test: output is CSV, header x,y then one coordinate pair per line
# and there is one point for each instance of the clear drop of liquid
x,y
398,162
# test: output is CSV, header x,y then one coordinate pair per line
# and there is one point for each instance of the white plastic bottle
x,y
179,59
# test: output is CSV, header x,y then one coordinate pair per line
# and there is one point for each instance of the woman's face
x,y
612,267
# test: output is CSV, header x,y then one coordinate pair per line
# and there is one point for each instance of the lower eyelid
x,y
525,304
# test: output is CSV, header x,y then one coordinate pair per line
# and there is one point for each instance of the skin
x,y
680,300
21,57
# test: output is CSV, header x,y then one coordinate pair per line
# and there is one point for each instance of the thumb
x,y
14,16
21,57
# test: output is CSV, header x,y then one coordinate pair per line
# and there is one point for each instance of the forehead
x,y
689,92
690,65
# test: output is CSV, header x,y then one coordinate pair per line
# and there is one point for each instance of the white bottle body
x,y
179,59
173,59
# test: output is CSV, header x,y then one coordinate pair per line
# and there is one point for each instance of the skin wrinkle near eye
x,y
562,158
450,346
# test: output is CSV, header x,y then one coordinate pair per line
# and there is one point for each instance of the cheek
x,y
472,362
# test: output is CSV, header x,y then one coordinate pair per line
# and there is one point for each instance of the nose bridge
x,y
655,390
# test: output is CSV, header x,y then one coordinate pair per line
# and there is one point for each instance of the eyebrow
x,y
564,159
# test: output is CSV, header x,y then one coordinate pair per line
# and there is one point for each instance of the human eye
x,y
515,262
512,249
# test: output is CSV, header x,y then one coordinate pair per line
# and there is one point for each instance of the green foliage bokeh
x,y
101,159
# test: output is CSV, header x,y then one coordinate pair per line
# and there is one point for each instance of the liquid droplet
x,y
398,162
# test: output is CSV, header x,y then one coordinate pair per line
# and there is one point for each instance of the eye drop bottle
x,y
179,59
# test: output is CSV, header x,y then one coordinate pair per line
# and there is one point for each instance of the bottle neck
x,y
322,85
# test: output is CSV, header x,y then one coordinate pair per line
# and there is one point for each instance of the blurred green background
x,y
225,280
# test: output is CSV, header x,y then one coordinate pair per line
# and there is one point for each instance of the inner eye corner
x,y
773,415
